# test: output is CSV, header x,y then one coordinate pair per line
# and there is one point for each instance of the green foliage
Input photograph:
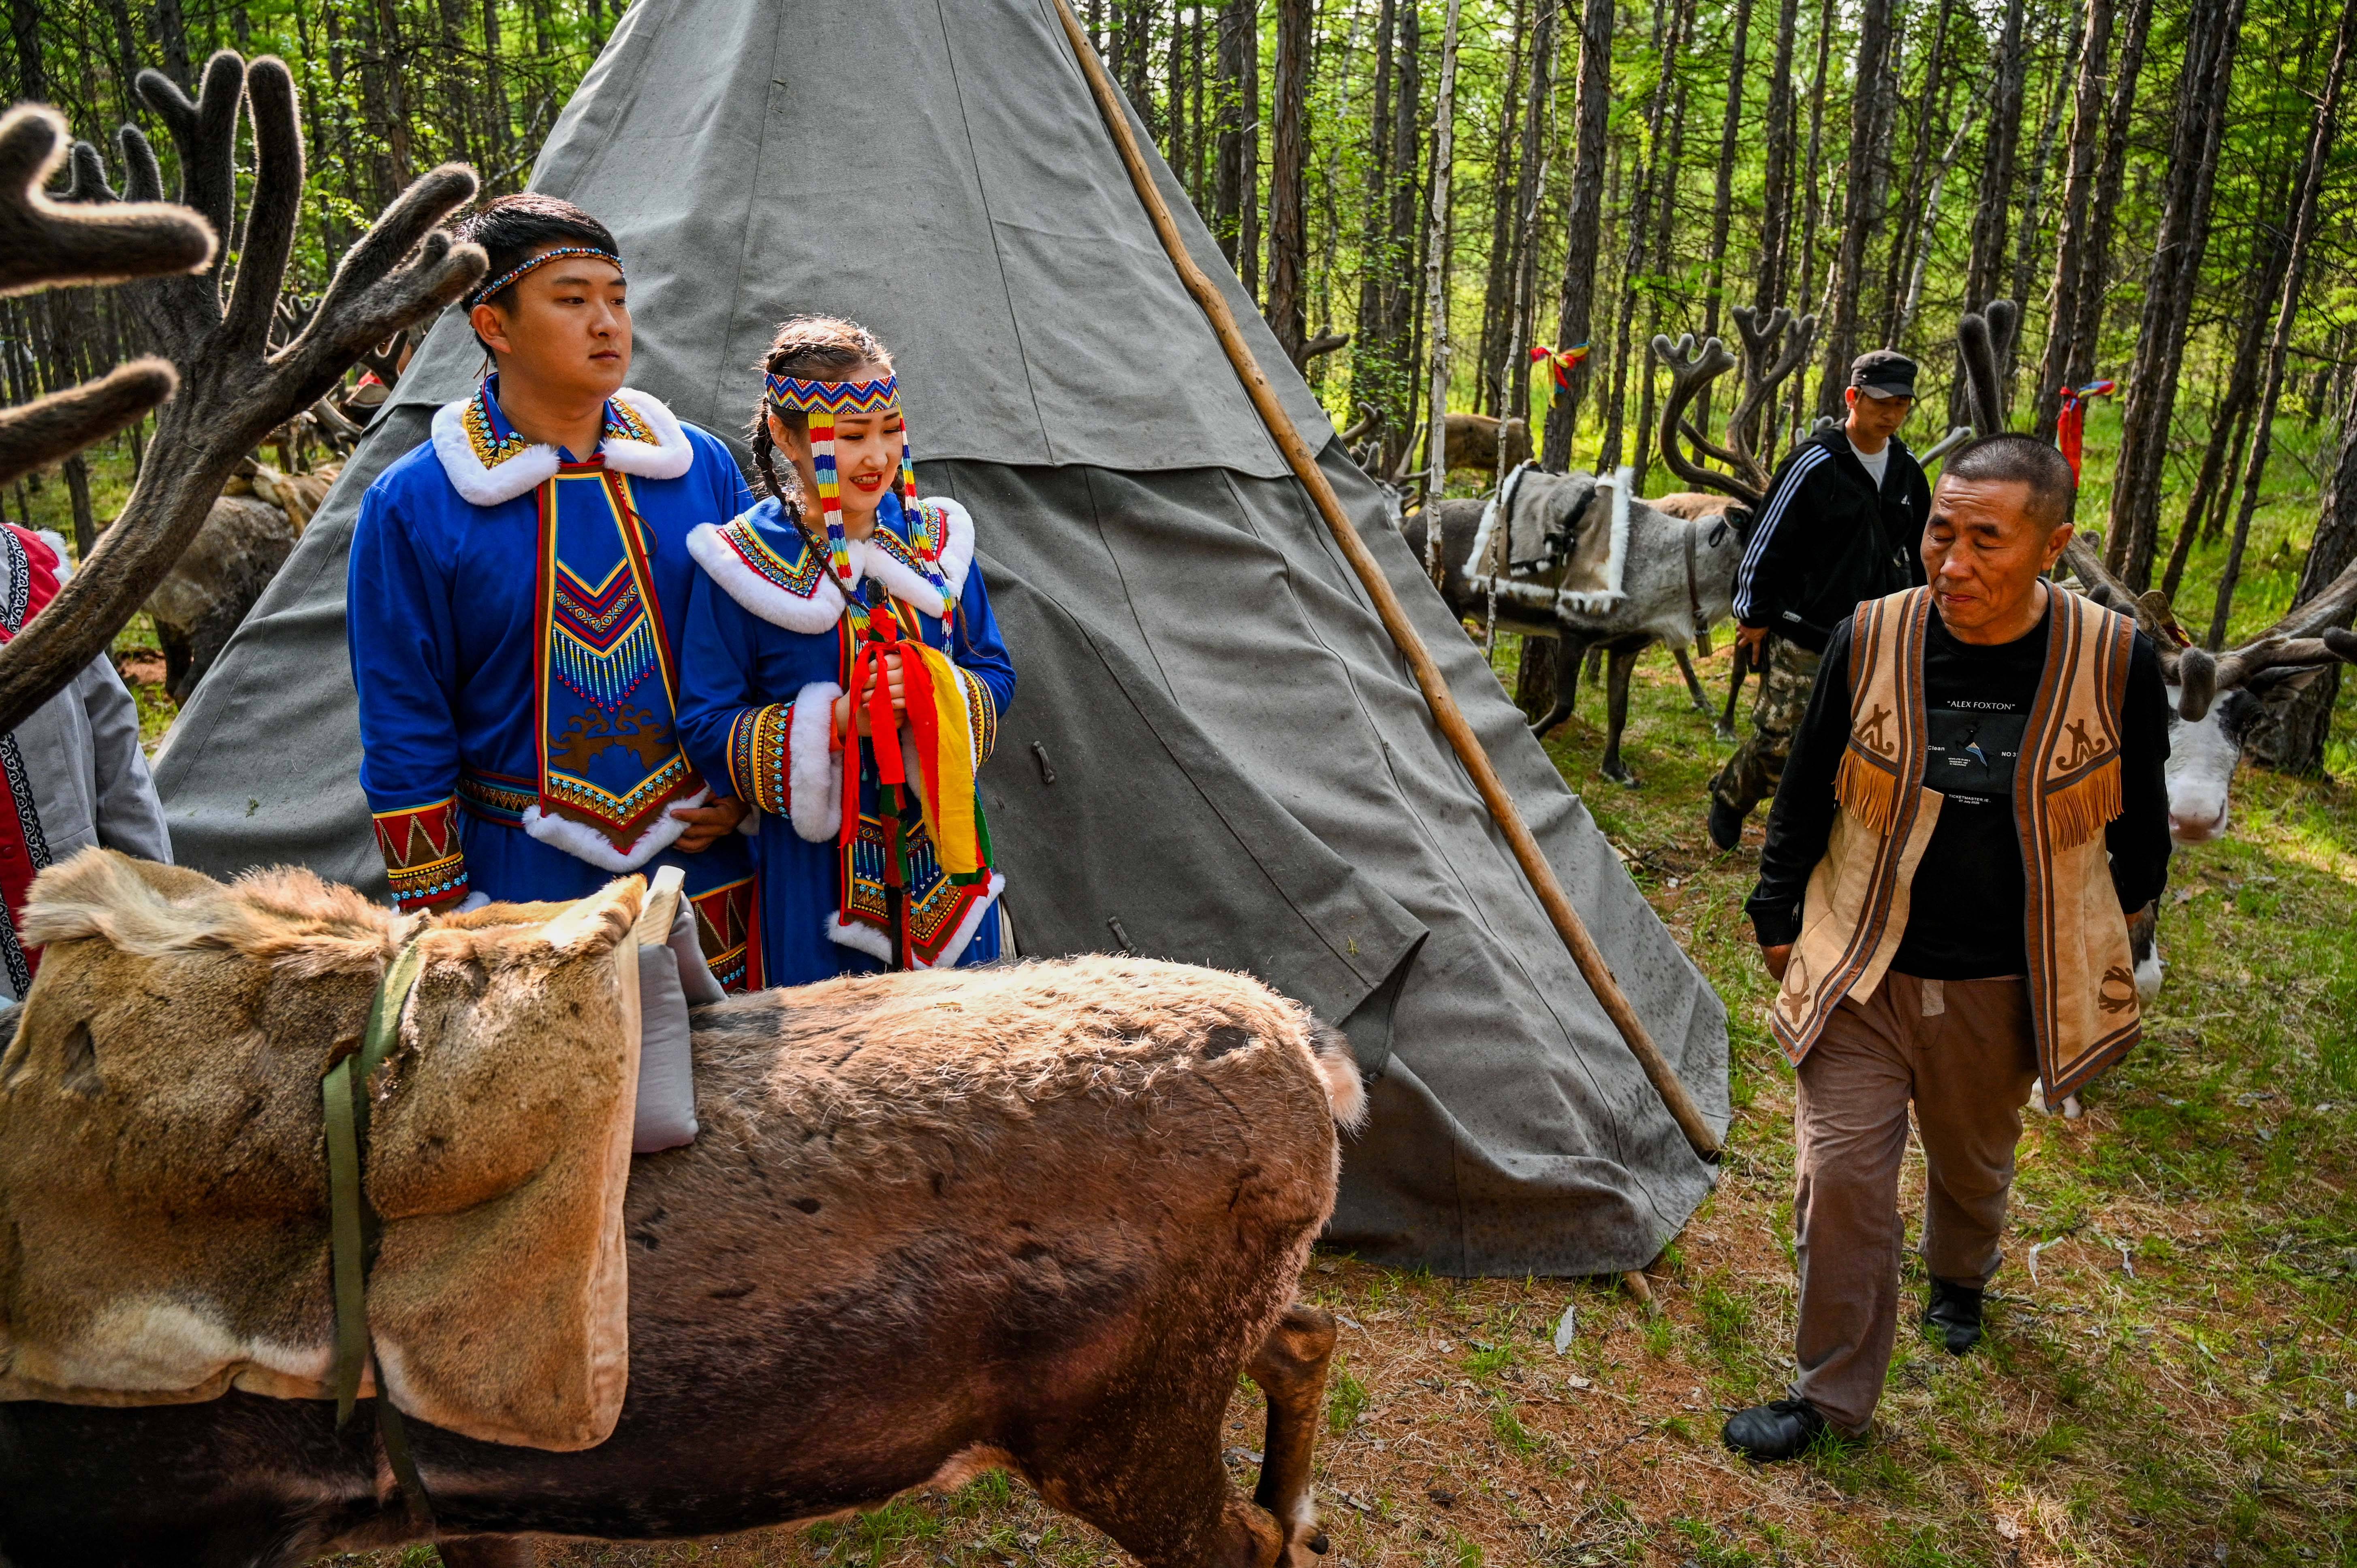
x,y
1346,1398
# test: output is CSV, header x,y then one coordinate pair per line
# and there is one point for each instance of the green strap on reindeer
x,y
353,1226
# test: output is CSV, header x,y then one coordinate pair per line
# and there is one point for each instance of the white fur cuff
x,y
813,771
585,843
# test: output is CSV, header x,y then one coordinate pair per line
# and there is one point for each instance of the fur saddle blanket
x,y
164,1211
1564,537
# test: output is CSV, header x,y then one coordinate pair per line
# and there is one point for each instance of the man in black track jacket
x,y
1843,522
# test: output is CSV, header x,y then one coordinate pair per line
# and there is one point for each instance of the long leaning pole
x,y
1437,694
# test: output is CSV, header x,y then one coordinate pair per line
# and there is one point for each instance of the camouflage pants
x,y
1751,774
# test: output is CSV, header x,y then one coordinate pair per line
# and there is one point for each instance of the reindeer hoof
x,y
1723,734
1622,777
1320,1545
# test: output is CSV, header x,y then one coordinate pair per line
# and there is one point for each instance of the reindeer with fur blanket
x,y
1035,1218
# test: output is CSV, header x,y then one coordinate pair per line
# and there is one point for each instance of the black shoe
x,y
1768,1433
1725,824
1956,1311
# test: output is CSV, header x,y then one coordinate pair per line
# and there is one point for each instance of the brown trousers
x,y
1963,1051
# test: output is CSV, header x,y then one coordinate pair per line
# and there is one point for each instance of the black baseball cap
x,y
1883,373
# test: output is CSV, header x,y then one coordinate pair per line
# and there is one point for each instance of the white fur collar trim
x,y
776,603
486,471
722,558
585,843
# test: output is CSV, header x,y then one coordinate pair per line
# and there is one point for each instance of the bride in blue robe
x,y
767,655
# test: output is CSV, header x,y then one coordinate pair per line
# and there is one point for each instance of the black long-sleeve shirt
x,y
1966,917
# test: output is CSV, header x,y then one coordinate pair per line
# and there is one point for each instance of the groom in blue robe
x,y
519,585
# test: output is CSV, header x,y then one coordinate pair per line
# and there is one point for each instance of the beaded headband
x,y
824,403
505,278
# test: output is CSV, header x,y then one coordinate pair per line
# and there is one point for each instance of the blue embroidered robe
x,y
517,665
764,654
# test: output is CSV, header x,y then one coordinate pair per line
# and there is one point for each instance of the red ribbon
x,y
2069,428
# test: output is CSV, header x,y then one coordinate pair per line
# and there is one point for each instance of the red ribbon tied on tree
x,y
1562,360
2070,429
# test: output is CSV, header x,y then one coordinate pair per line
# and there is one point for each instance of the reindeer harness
x,y
2068,786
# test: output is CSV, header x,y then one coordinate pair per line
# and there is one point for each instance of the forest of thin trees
x,y
2160,182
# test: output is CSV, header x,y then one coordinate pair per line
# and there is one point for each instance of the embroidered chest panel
x,y
608,754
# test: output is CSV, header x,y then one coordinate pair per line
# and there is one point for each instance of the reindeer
x,y
1679,559
1020,1296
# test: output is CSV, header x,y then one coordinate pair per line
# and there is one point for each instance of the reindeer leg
x,y
1694,681
1624,662
1742,658
1568,652
1290,1368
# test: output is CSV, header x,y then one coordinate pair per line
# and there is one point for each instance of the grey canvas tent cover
x,y
1215,753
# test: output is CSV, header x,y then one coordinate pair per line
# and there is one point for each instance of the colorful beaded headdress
x,y
493,286
824,403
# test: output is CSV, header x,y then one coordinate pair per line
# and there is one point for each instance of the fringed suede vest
x,y
2067,787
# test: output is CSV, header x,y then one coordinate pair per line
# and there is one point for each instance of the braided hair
x,y
812,347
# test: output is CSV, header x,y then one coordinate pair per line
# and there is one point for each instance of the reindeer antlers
x,y
1983,338
233,388
44,242
1689,373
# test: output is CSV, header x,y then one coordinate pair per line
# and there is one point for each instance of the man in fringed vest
x,y
1975,801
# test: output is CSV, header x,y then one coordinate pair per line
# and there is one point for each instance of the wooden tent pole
x,y
1437,694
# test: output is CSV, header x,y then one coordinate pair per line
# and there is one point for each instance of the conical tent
x,y
1215,752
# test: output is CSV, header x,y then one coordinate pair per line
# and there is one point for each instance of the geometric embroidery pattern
x,y
799,576
492,440
757,756
422,855
725,922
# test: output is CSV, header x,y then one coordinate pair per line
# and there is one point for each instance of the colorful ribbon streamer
x,y
2070,429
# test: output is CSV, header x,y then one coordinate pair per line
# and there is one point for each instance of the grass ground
x,y
2171,1373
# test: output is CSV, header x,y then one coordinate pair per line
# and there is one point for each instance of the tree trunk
x,y
1665,204
172,40
1370,387
2095,262
1930,126
1776,181
2033,200
1289,223
2294,741
1722,202
1639,225
1584,221
1498,281
2081,155
25,29
1405,253
2311,181
2172,279
1866,156
1233,189
1925,233
1436,287
1808,296
1530,190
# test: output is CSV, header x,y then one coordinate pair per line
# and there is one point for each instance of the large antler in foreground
x,y
45,244
1764,371
234,389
